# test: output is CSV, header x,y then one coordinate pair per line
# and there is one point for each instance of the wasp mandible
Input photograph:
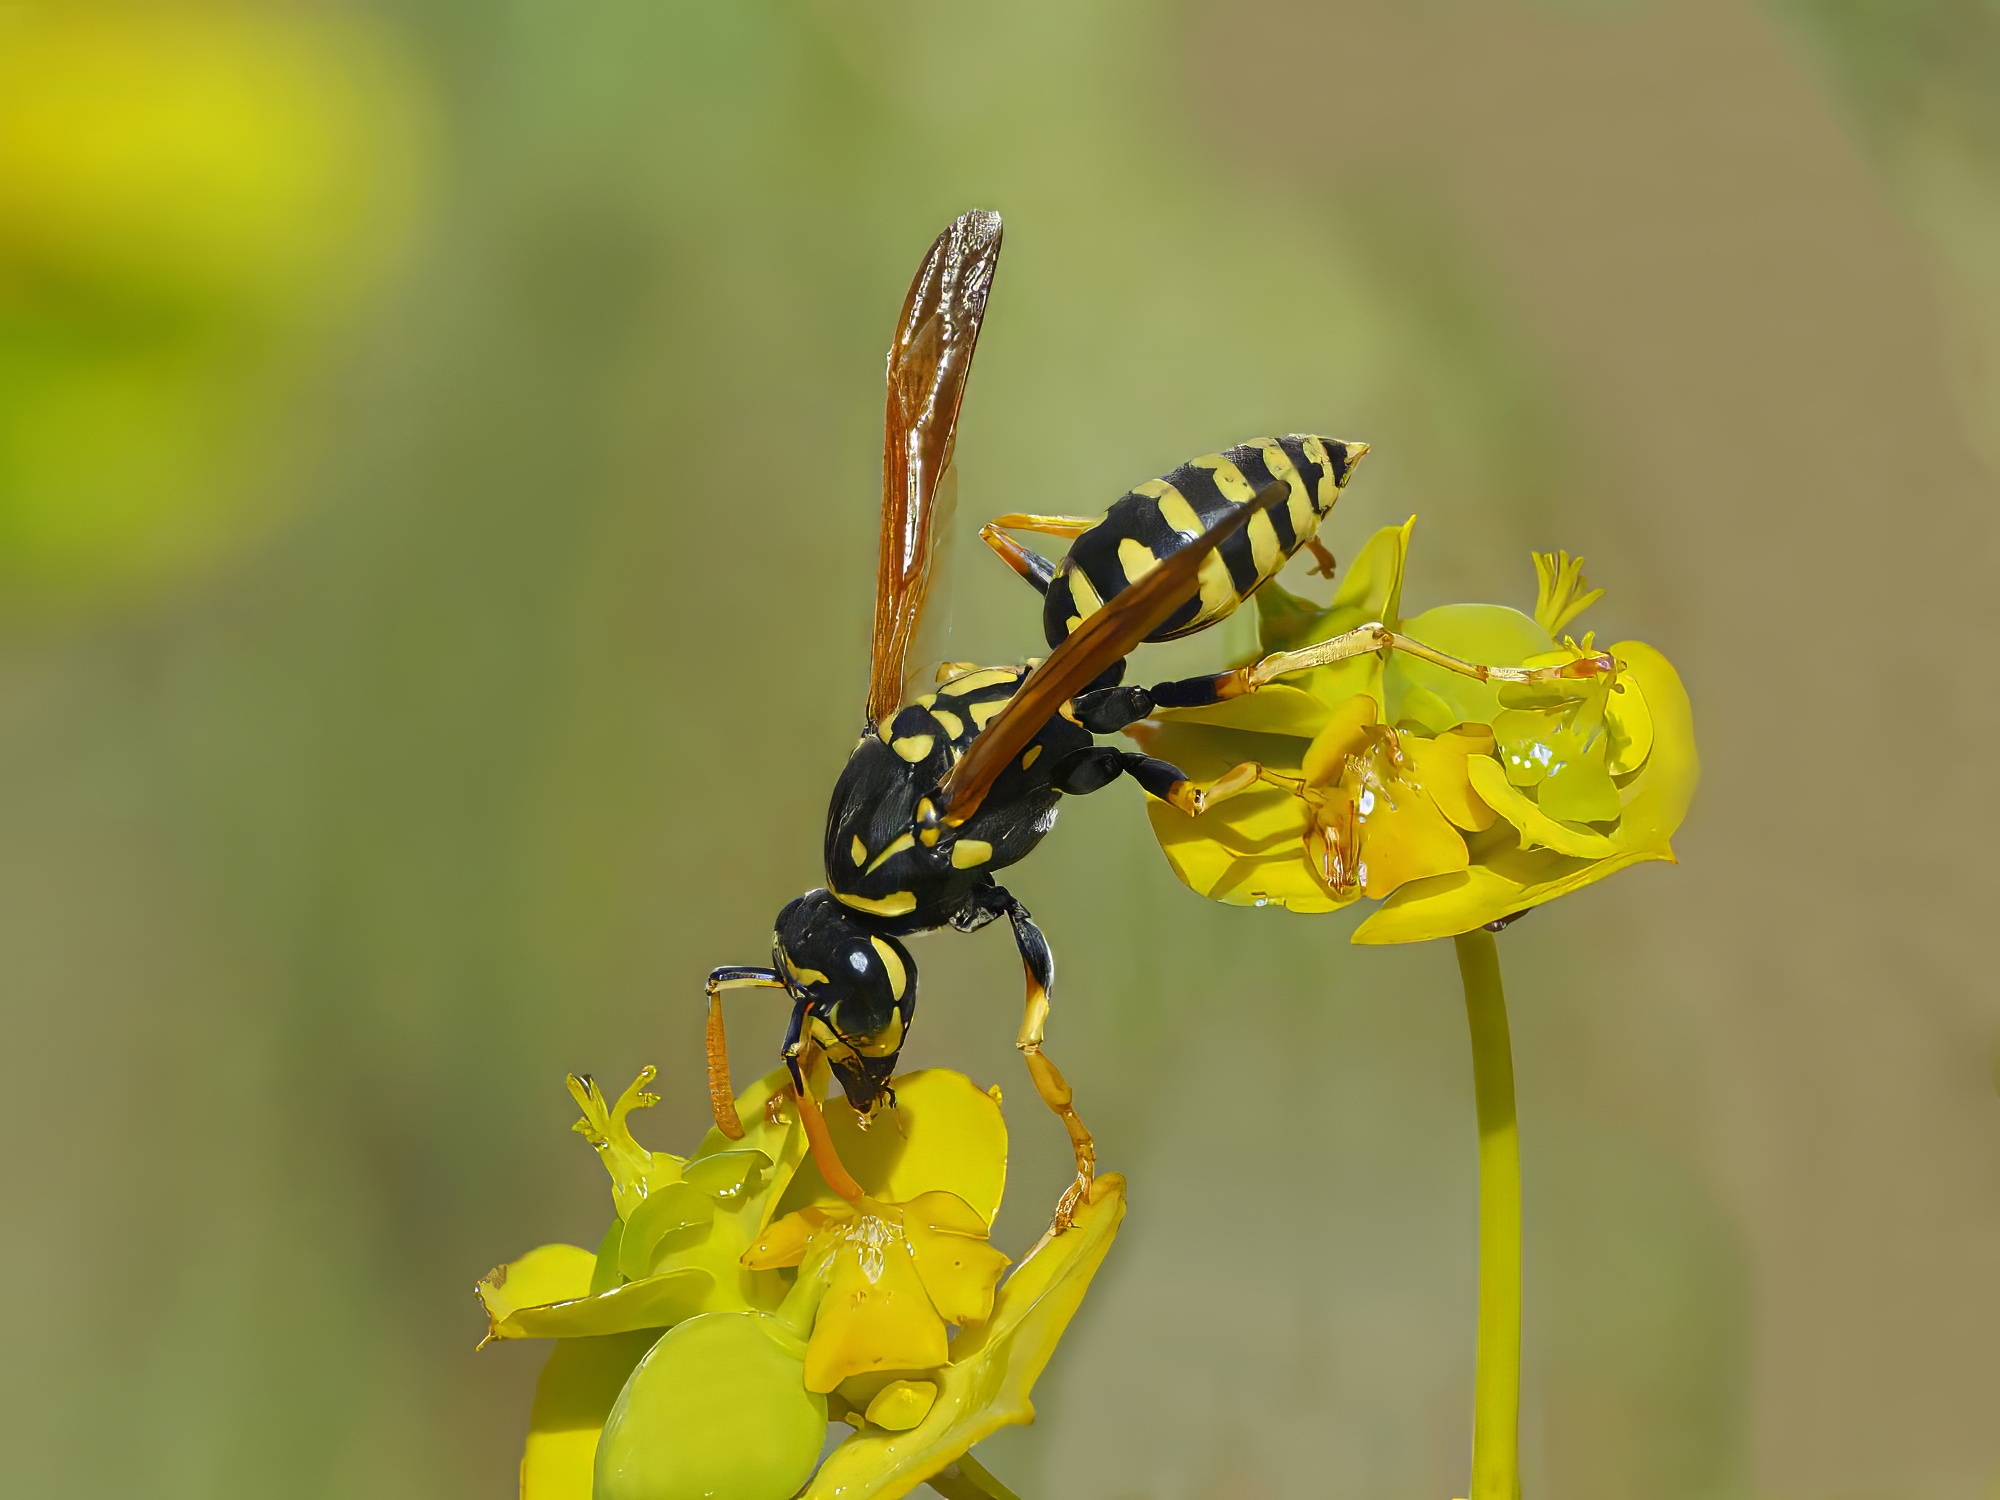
x,y
948,787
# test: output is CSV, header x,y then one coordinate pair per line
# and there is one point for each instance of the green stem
x,y
1496,1392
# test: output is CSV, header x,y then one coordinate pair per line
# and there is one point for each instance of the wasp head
x,y
855,992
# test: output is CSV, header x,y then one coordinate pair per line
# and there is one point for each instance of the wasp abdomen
x,y
1159,517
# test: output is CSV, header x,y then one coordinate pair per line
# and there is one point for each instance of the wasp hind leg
x,y
1034,567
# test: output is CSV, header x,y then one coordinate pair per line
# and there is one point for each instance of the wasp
x,y
946,788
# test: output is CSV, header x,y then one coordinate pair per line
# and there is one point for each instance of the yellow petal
x,y
1535,826
1345,733
947,1135
901,1404
1207,864
1451,904
875,1315
548,1273
657,1302
1657,799
1371,585
1278,708
782,1139
957,1267
670,1211
726,1173
993,1368
1629,723
1406,838
1439,765
784,1242
1489,634
578,1384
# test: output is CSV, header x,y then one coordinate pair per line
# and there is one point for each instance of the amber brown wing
x,y
1131,615
928,363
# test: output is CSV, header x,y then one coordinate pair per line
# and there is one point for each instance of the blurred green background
x,y
438,460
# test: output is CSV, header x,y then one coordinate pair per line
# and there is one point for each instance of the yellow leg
x,y
1056,1094
1364,640
1194,800
1046,525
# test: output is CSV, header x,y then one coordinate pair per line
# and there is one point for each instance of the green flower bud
x,y
717,1410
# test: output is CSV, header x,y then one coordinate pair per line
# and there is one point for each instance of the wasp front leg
x,y
721,1096
798,1058
1040,966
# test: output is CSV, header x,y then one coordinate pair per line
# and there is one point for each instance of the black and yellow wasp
x,y
947,788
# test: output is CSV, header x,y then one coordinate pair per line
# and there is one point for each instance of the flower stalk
x,y
1496,1399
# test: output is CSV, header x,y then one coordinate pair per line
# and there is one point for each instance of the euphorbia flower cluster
x,y
1455,801
736,1305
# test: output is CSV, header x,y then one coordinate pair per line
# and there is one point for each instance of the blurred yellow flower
x,y
1456,801
191,196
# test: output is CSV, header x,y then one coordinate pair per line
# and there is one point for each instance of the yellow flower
x,y
783,1304
894,1275
675,1247
912,1256
1455,801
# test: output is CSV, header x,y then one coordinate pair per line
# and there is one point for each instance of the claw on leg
x,y
1194,800
1056,1094
1323,558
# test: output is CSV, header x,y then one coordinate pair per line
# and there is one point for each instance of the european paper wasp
x,y
947,787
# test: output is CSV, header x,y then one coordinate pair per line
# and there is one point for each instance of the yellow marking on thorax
x,y
805,976
1177,513
967,854
1136,558
1034,754
972,682
892,961
895,904
1265,550
913,747
858,850
894,847
984,713
948,721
